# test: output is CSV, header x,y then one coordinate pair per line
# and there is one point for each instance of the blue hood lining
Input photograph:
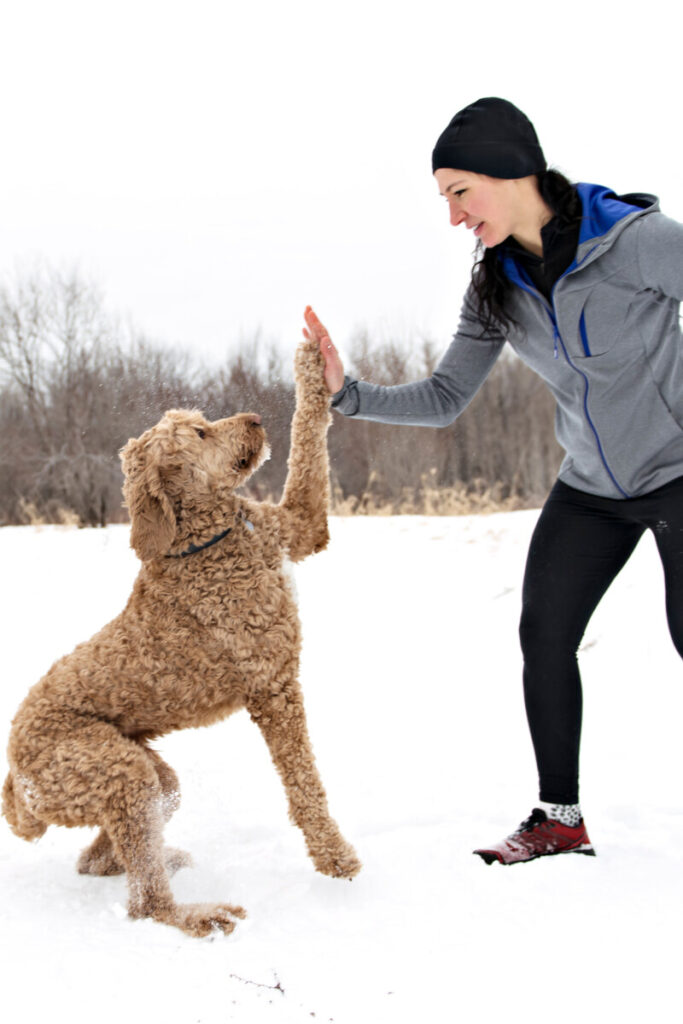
x,y
602,209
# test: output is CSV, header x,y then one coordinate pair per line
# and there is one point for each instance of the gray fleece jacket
x,y
608,344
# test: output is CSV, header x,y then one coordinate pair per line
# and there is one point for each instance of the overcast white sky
x,y
214,166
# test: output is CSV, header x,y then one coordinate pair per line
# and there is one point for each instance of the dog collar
x,y
194,548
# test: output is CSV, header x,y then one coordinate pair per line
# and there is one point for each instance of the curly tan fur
x,y
203,634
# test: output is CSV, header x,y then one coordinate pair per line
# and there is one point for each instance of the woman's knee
x,y
545,635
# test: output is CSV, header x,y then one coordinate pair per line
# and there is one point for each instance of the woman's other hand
x,y
334,369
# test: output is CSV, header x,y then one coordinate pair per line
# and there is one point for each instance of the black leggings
x,y
581,542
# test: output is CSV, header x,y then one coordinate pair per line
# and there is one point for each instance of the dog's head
x,y
185,462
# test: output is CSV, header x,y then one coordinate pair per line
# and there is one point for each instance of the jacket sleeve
x,y
437,400
660,254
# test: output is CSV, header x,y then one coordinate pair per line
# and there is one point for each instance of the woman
x,y
585,286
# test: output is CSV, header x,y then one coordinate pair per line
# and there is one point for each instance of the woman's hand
x,y
334,369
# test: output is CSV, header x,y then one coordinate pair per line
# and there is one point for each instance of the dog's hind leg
x,y
170,792
15,808
92,775
99,858
282,721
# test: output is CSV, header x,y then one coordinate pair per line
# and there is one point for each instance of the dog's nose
x,y
254,418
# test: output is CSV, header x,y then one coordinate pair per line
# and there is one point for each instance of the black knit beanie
x,y
491,136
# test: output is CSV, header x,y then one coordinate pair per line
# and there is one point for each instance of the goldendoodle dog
x,y
210,627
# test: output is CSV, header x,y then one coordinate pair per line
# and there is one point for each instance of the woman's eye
x,y
200,433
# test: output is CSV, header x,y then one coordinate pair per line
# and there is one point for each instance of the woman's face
x,y
487,206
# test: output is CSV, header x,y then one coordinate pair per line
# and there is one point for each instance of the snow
x,y
411,672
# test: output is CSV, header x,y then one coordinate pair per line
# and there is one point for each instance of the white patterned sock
x,y
567,814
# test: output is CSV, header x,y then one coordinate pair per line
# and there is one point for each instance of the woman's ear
x,y
151,512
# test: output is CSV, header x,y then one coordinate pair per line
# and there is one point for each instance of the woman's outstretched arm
x,y
433,402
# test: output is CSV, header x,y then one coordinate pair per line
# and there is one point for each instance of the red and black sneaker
x,y
539,836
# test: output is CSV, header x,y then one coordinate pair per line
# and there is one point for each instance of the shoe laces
x,y
536,818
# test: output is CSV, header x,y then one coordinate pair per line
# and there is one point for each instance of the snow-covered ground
x,y
411,672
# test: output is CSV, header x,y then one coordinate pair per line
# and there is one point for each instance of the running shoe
x,y
538,836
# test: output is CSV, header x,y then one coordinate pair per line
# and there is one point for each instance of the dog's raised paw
x,y
309,367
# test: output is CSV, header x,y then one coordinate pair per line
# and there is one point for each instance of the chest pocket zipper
x,y
584,334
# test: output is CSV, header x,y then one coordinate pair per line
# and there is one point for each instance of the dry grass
x,y
474,498
51,513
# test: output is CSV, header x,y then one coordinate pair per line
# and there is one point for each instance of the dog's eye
x,y
200,433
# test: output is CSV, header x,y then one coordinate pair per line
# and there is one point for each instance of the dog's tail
x,y
22,822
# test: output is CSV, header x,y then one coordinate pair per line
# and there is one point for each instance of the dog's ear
x,y
151,512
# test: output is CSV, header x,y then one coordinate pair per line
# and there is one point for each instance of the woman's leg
x,y
580,544
663,514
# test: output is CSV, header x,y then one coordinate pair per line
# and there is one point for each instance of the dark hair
x,y
490,284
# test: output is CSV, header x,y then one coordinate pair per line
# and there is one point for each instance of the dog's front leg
x,y
305,499
281,718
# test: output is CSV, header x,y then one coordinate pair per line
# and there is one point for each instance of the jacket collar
x,y
605,215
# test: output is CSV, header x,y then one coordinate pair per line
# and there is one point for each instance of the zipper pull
x,y
556,333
